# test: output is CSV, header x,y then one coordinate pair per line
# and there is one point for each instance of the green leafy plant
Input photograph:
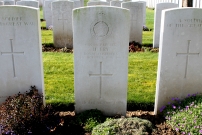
x,y
185,116
123,126
25,114
90,119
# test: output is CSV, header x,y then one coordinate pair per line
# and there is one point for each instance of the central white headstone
x,y
101,58
20,51
180,59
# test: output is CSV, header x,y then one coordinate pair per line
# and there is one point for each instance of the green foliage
x,y
90,119
24,113
185,115
123,126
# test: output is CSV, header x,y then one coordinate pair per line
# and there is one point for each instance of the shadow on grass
x,y
130,106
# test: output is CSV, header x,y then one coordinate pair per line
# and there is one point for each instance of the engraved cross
x,y
100,75
187,54
62,19
12,53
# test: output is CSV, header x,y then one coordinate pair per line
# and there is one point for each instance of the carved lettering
x,y
14,21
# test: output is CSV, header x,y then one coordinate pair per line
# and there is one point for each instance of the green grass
x,y
58,77
147,37
142,77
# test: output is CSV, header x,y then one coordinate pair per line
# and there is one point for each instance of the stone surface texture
x,y
9,2
94,3
62,23
115,3
157,20
136,13
48,13
28,3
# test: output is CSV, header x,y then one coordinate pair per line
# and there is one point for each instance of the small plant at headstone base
x,y
124,126
90,118
135,46
25,114
185,115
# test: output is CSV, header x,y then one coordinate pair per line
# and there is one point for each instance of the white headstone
x,y
62,23
101,58
94,3
20,53
77,3
136,13
144,11
115,3
180,59
44,8
9,2
48,13
1,2
28,3
144,8
157,19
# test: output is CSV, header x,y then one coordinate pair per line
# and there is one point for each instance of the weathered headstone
x,y
48,13
180,59
9,2
62,23
101,58
28,3
94,3
157,19
136,12
144,8
20,53
116,3
77,3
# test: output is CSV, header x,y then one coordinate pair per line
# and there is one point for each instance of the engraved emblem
x,y
100,28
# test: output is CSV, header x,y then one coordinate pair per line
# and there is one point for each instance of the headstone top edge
x,y
181,9
166,3
98,6
62,1
139,2
18,6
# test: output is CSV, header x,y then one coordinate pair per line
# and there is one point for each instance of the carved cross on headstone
x,y
12,53
100,75
187,54
62,19
64,38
